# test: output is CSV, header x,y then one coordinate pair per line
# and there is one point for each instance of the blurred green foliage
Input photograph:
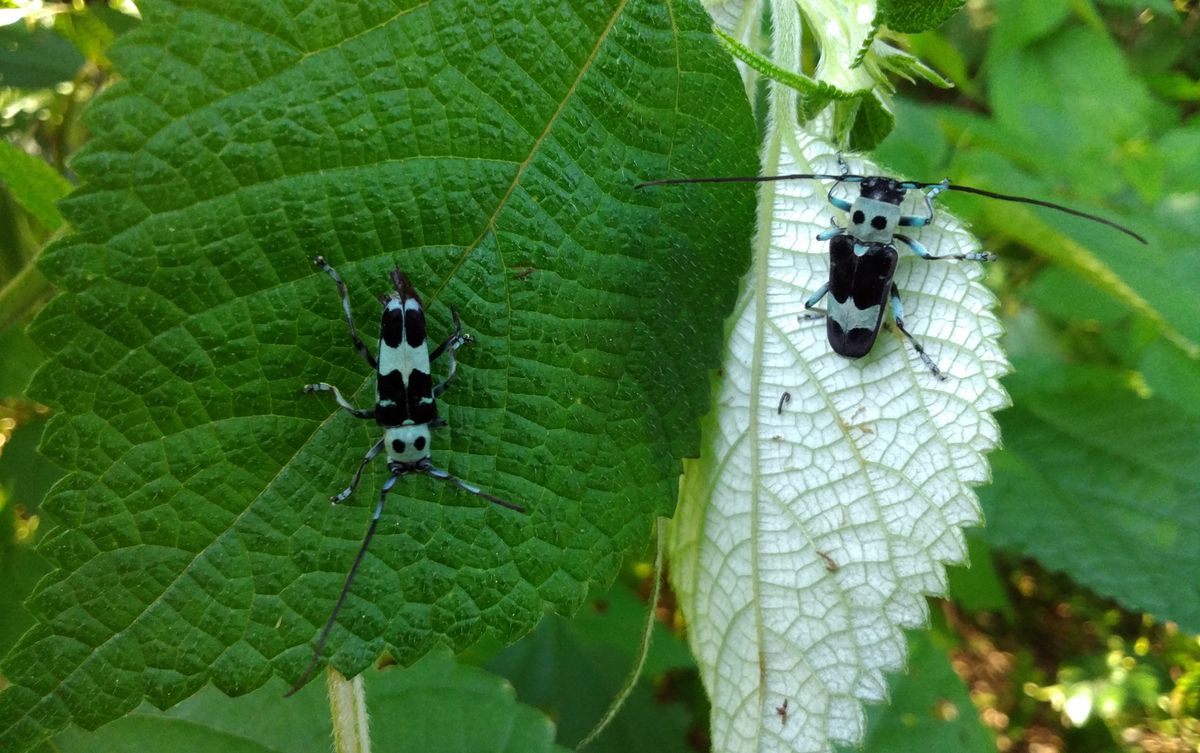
x,y
1075,627
1084,104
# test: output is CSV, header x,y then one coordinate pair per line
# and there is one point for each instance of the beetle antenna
x,y
752,179
848,178
337,607
1037,202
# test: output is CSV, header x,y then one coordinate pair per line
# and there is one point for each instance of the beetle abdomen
x,y
860,278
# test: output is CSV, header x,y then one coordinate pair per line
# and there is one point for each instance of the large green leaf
x,y
410,710
1101,484
488,148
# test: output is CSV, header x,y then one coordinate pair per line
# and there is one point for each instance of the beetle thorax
x,y
408,444
873,220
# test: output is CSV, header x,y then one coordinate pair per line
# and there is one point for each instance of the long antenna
x,y
337,607
428,470
1040,203
907,184
750,179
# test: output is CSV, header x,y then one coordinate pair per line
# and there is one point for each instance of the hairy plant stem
x,y
348,710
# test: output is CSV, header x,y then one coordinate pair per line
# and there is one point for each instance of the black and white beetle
x,y
405,407
863,257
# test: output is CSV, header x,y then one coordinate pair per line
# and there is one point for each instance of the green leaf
x,y
490,149
1060,293
35,185
20,567
616,619
1173,376
21,359
930,710
1146,280
941,56
1105,495
35,58
418,708
917,146
915,16
88,33
1068,101
873,121
410,710
24,479
907,66
830,491
979,587
564,669
1021,22
24,474
211,722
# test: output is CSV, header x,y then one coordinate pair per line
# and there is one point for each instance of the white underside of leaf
x,y
809,531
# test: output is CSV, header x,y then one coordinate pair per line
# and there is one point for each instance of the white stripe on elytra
x,y
852,317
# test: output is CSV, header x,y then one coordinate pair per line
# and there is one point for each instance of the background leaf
x,y
488,148
872,122
572,671
35,57
33,183
410,710
914,16
424,705
930,708
1106,496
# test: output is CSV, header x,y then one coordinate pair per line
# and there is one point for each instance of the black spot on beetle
x,y
392,327
397,446
879,222
419,443
414,327
391,387
859,217
421,408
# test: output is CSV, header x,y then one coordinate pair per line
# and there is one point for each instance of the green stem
x,y
23,294
348,710
643,650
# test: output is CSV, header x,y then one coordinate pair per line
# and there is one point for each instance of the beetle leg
x,y
345,296
898,317
923,252
916,220
344,493
441,475
450,344
810,304
341,401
